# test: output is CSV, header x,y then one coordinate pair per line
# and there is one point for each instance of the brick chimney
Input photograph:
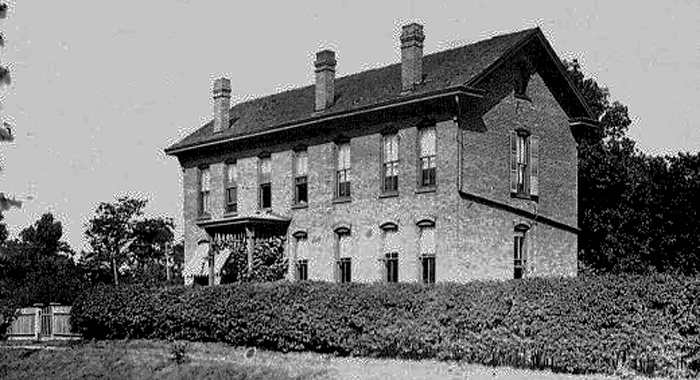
x,y
222,103
325,77
412,38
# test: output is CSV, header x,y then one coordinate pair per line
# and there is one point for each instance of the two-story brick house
x,y
455,166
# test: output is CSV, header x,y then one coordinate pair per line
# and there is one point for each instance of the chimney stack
x,y
412,38
325,77
222,103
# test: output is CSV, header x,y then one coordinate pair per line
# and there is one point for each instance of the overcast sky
x,y
101,87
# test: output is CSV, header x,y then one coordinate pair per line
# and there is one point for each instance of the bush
x,y
577,325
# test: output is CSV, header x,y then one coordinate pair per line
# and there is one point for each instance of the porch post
x,y
250,246
211,254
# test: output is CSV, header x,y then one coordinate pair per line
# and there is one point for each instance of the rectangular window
x,y
524,164
345,269
301,187
428,164
391,261
519,254
302,269
231,187
343,171
428,269
390,164
427,254
265,196
204,191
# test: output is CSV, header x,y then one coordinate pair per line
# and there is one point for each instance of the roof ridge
x,y
298,88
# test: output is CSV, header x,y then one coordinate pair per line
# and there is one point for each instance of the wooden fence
x,y
42,322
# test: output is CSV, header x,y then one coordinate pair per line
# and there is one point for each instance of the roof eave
x,y
319,118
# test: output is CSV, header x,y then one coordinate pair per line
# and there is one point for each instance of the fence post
x,y
53,306
37,320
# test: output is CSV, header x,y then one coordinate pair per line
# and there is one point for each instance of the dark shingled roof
x,y
455,67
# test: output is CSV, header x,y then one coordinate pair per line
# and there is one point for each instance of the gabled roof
x,y
462,66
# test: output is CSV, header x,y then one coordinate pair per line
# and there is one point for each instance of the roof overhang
x,y
247,220
405,100
585,128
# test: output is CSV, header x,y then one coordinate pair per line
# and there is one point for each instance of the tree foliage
x,y
126,243
39,267
637,212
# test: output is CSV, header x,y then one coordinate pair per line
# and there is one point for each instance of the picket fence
x,y
42,322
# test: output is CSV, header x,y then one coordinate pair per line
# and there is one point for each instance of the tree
x,y
637,212
44,237
126,242
38,267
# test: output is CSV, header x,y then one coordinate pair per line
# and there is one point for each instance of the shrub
x,y
577,325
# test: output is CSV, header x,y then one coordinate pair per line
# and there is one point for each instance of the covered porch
x,y
222,241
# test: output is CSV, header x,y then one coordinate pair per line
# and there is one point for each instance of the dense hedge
x,y
579,325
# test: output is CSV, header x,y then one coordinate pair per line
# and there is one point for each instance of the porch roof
x,y
255,219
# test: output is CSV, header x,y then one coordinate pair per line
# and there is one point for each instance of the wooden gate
x,y
46,317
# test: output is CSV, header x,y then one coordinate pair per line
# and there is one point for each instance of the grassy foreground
x,y
154,360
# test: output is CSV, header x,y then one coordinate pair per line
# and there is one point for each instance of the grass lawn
x,y
154,360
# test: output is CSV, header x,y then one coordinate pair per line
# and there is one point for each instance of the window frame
x,y
343,189
302,269
524,165
427,259
393,189
264,182
520,252
300,180
430,159
345,270
203,196
391,267
230,186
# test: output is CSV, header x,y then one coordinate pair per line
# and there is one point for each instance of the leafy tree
x,y
637,212
38,267
126,243
111,231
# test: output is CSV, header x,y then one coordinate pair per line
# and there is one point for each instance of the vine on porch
x,y
269,262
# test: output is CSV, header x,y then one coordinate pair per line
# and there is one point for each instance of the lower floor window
x,y
345,266
302,270
428,269
519,259
392,267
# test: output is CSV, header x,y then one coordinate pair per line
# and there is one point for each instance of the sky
x,y
100,88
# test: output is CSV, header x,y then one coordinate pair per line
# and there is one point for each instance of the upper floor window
x,y
204,190
343,171
265,181
524,164
428,164
519,254
231,188
301,187
390,164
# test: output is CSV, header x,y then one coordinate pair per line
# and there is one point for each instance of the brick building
x,y
455,166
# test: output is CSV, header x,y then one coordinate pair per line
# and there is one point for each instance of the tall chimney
x,y
412,38
222,103
325,77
